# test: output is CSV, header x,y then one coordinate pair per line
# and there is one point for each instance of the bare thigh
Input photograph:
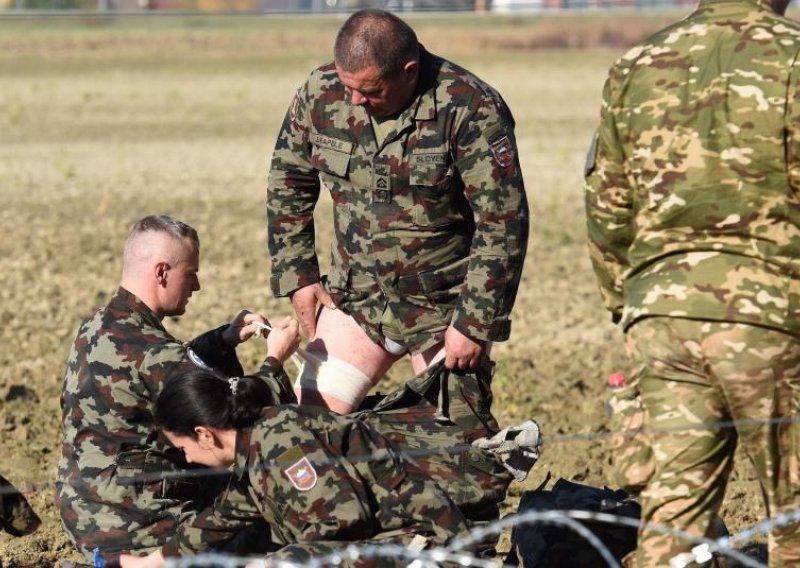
x,y
423,360
338,335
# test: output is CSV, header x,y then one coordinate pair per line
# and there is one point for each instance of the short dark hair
x,y
200,397
375,37
166,224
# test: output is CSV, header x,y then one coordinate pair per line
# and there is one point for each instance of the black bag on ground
x,y
544,544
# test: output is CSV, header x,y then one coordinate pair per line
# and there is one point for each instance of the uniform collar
x,y
127,301
240,466
429,66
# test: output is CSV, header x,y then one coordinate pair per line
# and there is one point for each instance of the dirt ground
x,y
102,122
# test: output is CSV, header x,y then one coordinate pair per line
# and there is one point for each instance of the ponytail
x,y
200,397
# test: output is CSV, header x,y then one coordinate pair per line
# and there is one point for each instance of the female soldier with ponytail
x,y
316,477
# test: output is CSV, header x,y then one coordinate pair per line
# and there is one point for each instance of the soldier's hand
x,y
460,351
284,339
242,327
304,302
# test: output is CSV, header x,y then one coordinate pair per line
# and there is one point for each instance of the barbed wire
x,y
413,454
457,552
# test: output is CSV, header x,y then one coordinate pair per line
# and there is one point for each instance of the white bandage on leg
x,y
334,377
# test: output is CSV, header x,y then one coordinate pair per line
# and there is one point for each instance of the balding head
x,y
375,38
152,235
160,263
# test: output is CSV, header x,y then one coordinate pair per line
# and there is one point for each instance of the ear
x,y
160,272
205,437
410,70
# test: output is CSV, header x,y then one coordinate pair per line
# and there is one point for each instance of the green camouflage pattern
x,y
696,374
112,490
693,217
691,192
17,517
630,443
318,479
430,227
433,420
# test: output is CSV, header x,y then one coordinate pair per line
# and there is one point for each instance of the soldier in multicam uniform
x,y
694,227
429,208
316,477
111,490
17,517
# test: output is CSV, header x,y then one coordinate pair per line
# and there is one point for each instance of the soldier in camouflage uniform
x,y
694,227
17,517
429,209
111,490
317,478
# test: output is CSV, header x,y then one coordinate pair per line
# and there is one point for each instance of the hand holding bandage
x,y
283,340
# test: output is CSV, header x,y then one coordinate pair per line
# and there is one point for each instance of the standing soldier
x,y
430,213
693,206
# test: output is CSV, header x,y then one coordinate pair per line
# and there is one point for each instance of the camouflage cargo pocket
x,y
443,285
630,444
331,162
432,185
152,475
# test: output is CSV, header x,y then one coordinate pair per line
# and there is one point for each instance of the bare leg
x,y
421,361
340,337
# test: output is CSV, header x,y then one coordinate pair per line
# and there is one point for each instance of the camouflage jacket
x,y
432,224
315,476
693,179
111,490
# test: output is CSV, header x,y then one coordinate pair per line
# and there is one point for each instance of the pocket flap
x,y
331,155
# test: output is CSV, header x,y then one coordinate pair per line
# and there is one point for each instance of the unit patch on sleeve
x,y
503,151
293,108
302,475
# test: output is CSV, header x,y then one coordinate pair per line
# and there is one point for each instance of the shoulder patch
x,y
302,475
503,151
293,108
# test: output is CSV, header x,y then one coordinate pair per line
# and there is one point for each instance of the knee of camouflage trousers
x,y
784,546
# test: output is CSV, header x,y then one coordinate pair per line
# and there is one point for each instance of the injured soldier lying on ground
x,y
405,471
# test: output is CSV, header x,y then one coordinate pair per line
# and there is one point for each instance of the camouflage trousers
x,y
630,444
433,419
303,553
115,529
131,507
696,375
